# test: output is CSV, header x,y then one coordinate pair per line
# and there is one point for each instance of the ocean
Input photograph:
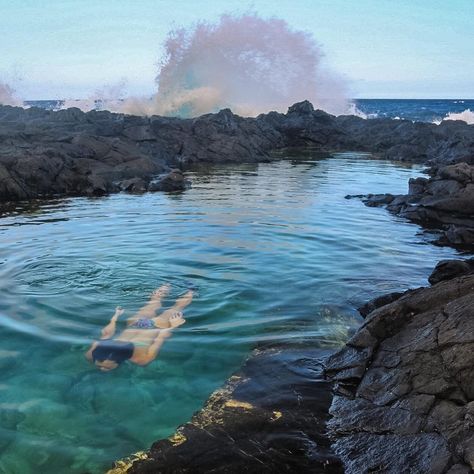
x,y
418,110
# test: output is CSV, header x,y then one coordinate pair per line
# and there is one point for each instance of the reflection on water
x,y
277,252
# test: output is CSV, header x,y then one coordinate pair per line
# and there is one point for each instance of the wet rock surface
x,y
69,152
269,417
447,269
383,300
404,393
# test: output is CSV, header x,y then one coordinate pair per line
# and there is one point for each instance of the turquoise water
x,y
277,253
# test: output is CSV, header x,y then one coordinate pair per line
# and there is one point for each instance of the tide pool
x,y
275,249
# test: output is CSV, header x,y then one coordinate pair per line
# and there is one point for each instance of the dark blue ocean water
x,y
420,110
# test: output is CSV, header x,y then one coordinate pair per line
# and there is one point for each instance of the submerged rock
x,y
268,417
10,418
373,200
404,394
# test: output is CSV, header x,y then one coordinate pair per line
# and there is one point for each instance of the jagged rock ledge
x,y
404,397
71,153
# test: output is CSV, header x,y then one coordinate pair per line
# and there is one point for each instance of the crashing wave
x,y
246,63
466,116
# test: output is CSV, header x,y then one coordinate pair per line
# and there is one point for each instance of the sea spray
x,y
249,64
109,97
7,95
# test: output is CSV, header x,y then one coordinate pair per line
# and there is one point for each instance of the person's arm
x,y
88,354
109,330
106,333
155,347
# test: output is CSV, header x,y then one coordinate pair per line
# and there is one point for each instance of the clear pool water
x,y
277,253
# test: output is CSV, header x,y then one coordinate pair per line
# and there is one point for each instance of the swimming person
x,y
144,335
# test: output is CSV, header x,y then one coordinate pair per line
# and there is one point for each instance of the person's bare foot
x,y
160,292
176,320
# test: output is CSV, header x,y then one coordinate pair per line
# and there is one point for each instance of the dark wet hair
x,y
118,351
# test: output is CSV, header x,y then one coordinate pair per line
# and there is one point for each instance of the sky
x,y
384,48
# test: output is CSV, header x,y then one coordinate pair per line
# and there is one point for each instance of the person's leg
x,y
162,321
149,310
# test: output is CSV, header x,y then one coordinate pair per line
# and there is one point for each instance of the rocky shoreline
x,y
404,383
72,153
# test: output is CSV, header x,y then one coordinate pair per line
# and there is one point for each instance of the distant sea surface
x,y
419,110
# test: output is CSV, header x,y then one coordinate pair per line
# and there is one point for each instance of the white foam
x,y
467,116
354,110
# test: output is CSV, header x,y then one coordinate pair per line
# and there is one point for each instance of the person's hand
x,y
177,319
118,312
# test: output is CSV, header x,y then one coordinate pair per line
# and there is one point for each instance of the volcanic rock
x,y
134,185
447,269
404,395
383,300
69,152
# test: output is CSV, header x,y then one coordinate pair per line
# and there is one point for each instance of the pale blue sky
x,y
385,48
